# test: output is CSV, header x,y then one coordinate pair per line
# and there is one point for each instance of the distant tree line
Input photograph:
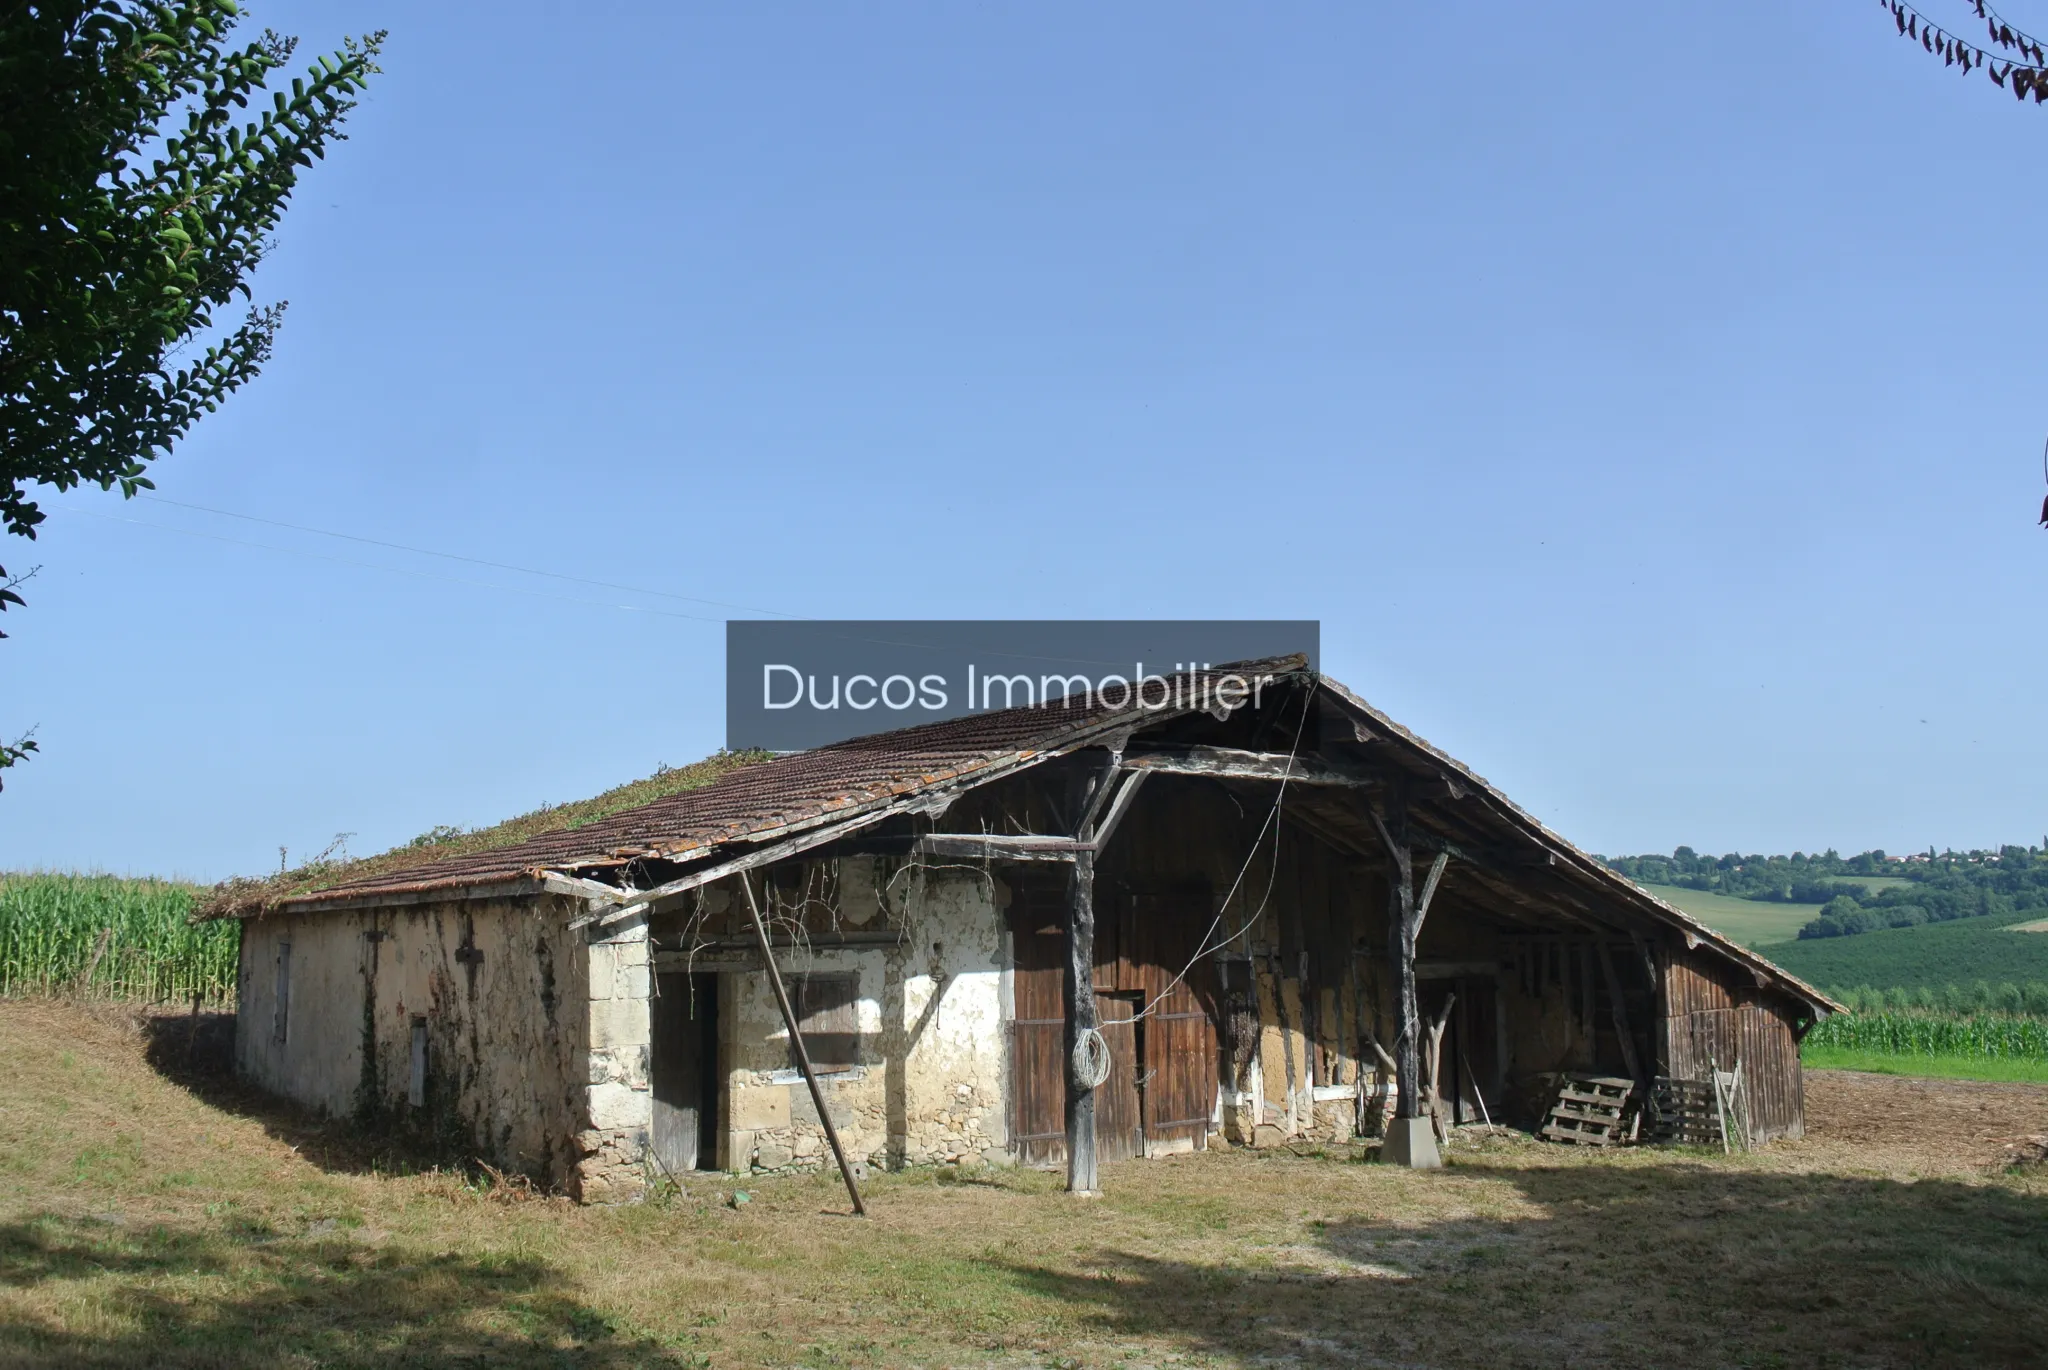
x,y
2027,999
1940,885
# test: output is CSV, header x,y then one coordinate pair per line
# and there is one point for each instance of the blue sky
x,y
1647,401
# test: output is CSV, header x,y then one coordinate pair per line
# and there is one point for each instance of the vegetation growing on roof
x,y
243,895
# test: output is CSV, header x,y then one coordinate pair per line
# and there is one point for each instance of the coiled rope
x,y
1090,1061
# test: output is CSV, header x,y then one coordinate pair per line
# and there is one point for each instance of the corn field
x,y
1997,1035
112,938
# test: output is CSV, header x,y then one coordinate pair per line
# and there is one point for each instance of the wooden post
x,y
796,1040
1407,1012
1619,1012
1081,1018
1406,908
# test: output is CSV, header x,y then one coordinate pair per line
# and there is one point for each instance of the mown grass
x,y
2023,1070
108,936
1748,921
143,1222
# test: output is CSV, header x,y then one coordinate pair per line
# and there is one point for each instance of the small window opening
x,y
281,1011
416,1086
826,1013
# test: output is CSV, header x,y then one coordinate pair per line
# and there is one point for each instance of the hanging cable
x,y
1203,947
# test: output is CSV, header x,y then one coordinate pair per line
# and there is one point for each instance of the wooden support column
x,y
1406,908
1401,950
1081,1019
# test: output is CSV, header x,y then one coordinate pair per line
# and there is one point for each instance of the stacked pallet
x,y
1683,1111
1591,1110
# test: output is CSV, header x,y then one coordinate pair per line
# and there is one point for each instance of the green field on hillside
x,y
1934,954
1748,921
1876,884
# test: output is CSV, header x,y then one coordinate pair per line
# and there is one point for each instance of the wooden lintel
x,y
1454,970
1229,763
1000,846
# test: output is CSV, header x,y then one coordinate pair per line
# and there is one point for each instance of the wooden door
x,y
1038,1090
1038,1042
684,1051
1163,933
1119,1116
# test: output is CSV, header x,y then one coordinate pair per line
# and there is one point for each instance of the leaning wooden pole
x,y
796,1040
1081,1022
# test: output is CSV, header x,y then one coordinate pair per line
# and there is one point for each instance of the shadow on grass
x,y
175,1298
1680,1264
197,1053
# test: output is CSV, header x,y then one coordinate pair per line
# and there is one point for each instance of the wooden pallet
x,y
1683,1111
1590,1111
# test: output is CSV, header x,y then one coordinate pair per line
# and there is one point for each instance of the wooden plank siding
x,y
1715,1016
1286,971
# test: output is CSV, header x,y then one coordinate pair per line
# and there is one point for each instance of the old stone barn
x,y
1283,908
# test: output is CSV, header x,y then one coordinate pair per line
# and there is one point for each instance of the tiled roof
x,y
787,792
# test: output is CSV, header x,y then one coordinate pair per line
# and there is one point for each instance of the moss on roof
x,y
241,894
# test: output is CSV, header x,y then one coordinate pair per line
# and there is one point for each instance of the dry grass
x,y
144,1221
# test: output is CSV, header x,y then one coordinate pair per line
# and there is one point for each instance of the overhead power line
x,y
448,556
399,570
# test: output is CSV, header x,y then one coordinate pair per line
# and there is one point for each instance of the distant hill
x,y
1827,895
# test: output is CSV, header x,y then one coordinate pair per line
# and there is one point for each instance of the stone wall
x,y
617,1103
930,1085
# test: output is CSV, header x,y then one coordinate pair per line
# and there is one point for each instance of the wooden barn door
x,y
1038,1053
1038,1090
1161,934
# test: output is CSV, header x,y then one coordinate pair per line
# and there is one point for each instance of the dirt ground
x,y
1931,1126
154,1214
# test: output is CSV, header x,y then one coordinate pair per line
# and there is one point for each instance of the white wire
x,y
1272,872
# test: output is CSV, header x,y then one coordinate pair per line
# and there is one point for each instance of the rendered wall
x,y
499,986
930,1088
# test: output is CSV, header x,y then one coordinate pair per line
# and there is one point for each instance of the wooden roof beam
x,y
1231,763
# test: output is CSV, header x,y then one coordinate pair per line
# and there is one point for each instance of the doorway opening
x,y
684,1071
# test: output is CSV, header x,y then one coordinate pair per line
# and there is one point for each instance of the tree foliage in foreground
x,y
144,165
2012,58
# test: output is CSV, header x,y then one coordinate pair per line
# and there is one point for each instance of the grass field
x,y
1876,884
1748,921
2021,1070
145,1221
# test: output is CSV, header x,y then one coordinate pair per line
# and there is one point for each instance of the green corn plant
x,y
113,938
